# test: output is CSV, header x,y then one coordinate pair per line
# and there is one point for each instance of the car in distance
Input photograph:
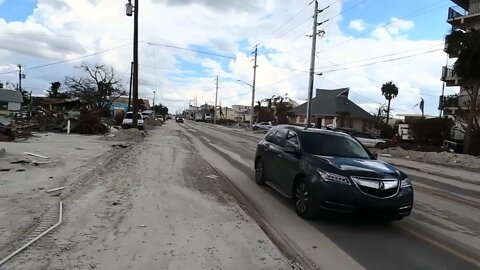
x,y
262,126
368,140
329,170
179,119
208,117
128,121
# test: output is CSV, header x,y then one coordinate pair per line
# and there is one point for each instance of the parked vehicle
x,y
180,119
128,121
368,140
329,170
262,125
208,117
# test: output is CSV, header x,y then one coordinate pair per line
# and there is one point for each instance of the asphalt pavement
x,y
443,231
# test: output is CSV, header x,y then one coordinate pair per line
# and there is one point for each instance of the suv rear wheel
x,y
259,172
303,201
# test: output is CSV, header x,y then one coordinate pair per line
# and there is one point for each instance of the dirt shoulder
x,y
25,179
160,206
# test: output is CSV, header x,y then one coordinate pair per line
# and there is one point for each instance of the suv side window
x,y
269,137
292,138
279,137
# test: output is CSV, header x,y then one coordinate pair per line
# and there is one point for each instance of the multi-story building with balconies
x,y
465,15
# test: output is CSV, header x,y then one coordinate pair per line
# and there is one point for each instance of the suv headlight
x,y
331,177
405,183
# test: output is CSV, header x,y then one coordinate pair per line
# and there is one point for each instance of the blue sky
x,y
429,18
16,10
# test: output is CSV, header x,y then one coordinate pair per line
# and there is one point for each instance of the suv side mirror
x,y
375,155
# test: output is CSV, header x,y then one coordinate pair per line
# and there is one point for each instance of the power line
x,y
340,13
411,15
54,35
358,74
288,21
384,61
293,28
68,60
382,56
303,73
347,10
190,50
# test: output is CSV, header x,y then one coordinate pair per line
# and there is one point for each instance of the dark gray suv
x,y
329,170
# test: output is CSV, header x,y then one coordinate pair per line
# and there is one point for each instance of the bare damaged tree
x,y
99,87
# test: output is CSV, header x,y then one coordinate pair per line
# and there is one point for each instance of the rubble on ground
x,y
440,158
128,135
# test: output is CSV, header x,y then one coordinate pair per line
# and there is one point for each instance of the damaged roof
x,y
11,96
332,102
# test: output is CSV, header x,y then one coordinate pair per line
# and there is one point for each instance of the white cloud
x,y
358,25
399,25
63,29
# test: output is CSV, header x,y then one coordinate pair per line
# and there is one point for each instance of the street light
x,y
245,83
253,102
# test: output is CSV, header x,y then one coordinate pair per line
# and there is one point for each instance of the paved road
x,y
442,232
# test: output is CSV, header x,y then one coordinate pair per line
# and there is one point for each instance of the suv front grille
x,y
377,187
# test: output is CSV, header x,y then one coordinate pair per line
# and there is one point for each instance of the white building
x,y
10,101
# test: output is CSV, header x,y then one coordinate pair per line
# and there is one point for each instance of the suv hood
x,y
357,166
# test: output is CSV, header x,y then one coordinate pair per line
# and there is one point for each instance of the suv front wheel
x,y
303,201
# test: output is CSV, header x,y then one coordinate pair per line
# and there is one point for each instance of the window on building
x,y
3,106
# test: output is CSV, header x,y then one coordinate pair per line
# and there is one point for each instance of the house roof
x,y
11,96
124,100
331,102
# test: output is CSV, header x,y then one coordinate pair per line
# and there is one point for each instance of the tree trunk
x,y
388,111
467,142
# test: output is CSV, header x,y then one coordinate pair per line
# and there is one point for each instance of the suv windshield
x,y
332,145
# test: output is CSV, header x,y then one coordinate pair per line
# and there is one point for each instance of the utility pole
x,y
135,68
20,77
129,9
130,88
253,87
215,108
154,105
312,64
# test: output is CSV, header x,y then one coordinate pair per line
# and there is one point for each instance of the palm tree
x,y
467,67
389,91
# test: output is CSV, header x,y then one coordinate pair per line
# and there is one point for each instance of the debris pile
x,y
440,158
128,135
18,163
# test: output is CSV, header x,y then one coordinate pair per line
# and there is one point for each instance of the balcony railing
x,y
455,12
447,73
450,101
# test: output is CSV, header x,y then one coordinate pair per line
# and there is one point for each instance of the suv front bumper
x,y
349,198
